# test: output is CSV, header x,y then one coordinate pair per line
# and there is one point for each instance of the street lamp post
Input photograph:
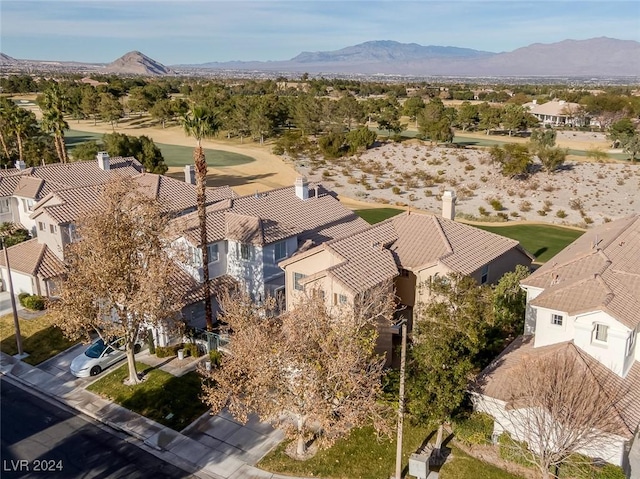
x,y
16,323
403,358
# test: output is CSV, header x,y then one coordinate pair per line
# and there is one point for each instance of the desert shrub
x,y
484,179
542,212
575,204
469,167
496,204
396,190
525,206
547,205
587,220
504,216
561,214
515,214
483,211
474,429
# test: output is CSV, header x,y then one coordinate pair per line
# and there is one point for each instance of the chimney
x,y
449,204
302,188
103,160
20,165
189,174
534,101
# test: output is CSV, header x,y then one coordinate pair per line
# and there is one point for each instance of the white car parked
x,y
99,356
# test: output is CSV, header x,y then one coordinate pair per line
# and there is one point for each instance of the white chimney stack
x,y
21,165
449,205
189,174
302,188
103,160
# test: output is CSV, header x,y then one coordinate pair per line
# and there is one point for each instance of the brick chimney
x,y
189,174
449,205
302,188
103,160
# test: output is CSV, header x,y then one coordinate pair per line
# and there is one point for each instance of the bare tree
x,y
119,277
311,372
561,404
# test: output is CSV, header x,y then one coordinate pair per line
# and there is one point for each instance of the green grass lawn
x,y
160,395
542,241
363,456
174,155
40,338
376,215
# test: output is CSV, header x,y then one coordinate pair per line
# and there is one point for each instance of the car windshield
x,y
95,350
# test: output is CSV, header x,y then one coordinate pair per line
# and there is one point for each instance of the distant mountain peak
x,y
137,63
7,60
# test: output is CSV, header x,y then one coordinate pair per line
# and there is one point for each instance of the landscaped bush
x,y
167,351
474,429
215,357
511,450
192,349
33,302
578,466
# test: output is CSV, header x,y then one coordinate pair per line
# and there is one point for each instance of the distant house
x,y
558,113
408,250
584,301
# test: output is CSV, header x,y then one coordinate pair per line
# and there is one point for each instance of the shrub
x,y
525,206
512,450
396,190
561,214
167,351
215,357
192,349
575,204
475,429
33,302
483,211
542,212
496,204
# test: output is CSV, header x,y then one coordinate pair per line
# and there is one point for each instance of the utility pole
x,y
16,323
403,358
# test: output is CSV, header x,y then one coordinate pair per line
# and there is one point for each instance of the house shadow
x,y
225,180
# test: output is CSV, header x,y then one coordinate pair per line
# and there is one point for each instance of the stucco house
x,y
586,301
250,235
558,113
406,251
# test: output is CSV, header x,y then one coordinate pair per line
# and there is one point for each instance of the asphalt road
x,y
39,439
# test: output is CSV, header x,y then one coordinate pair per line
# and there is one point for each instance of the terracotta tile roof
x,y
8,184
281,214
33,258
64,175
496,378
28,187
598,271
411,241
66,205
555,108
192,291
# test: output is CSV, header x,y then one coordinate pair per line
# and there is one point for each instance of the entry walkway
x,y
212,447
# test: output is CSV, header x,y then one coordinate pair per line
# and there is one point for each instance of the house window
x,y
280,250
342,299
4,205
631,341
556,319
214,256
245,251
484,276
53,229
296,281
601,332
29,205
41,226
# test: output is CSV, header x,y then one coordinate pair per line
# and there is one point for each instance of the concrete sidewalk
x,y
212,447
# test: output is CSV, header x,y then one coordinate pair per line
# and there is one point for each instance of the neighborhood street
x,y
40,439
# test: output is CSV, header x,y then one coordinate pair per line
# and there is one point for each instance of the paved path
x,y
212,447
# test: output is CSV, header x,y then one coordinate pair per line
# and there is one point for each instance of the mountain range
x,y
596,57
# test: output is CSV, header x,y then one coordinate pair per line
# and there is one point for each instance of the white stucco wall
x,y
22,283
548,333
609,448
612,353
248,272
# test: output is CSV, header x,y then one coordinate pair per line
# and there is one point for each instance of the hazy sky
x,y
186,31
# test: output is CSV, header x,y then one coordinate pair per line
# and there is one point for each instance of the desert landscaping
x,y
413,174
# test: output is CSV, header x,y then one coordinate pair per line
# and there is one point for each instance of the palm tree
x,y
52,105
22,123
7,108
201,123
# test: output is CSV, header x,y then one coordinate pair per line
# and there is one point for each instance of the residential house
x,y
250,235
407,250
586,302
558,113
